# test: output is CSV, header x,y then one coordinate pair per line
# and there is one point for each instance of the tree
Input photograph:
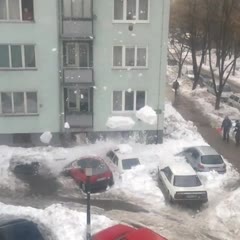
x,y
178,49
220,36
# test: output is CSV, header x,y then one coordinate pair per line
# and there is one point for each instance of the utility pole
x,y
88,188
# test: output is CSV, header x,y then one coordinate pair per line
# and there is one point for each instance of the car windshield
x,y
129,163
211,159
186,181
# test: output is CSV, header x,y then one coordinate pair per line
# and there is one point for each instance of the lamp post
x,y
88,188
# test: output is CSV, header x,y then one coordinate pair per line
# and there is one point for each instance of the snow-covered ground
x,y
204,100
138,186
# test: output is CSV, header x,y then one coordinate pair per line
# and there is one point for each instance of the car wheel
x,y
170,199
111,182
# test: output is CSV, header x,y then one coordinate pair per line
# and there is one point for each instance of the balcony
x,y
77,29
79,120
78,75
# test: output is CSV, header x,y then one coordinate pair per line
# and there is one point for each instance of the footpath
x,y
191,113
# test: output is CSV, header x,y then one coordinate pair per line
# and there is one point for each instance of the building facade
x,y
80,62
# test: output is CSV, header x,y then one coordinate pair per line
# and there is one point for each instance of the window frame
x,y
80,17
78,99
20,14
77,55
13,113
124,20
123,101
124,66
22,46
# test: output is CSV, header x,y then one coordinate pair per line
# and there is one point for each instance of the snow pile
x,y
118,122
176,127
61,221
124,148
147,115
228,212
46,137
66,125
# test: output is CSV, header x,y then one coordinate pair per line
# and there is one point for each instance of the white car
x,y
181,184
234,100
123,161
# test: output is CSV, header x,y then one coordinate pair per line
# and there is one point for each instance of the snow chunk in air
x,y
46,137
125,148
118,122
66,125
147,115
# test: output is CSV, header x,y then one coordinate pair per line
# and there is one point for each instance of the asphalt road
x,y
190,113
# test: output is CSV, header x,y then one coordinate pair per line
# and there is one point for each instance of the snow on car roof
x,y
207,150
182,169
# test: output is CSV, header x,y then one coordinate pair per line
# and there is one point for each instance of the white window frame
x,y
20,13
124,47
22,57
78,99
79,17
77,55
13,107
123,101
137,14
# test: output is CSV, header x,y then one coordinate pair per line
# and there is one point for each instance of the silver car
x,y
204,159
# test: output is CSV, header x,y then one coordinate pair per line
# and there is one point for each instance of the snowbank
x,y
63,223
117,122
147,115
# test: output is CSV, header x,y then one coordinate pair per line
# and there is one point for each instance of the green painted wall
x,y
43,33
107,34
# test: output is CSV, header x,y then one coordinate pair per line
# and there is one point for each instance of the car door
x,y
188,155
78,173
166,175
195,158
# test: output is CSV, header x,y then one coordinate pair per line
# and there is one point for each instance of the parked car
x,y
181,184
234,100
101,178
226,93
27,166
204,159
18,228
123,232
123,161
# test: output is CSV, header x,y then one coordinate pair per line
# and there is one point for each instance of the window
x,y
77,9
77,54
78,99
17,56
16,10
186,181
128,101
18,103
134,57
131,10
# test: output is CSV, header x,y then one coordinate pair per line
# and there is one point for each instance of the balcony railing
x,y
79,120
77,29
78,75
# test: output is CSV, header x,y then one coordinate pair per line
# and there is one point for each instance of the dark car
x,y
20,229
101,178
123,232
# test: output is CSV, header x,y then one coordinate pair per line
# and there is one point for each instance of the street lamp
x,y
88,172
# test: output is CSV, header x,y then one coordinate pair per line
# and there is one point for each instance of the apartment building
x,y
81,62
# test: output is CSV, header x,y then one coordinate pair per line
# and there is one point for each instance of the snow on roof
x,y
147,115
207,150
118,122
182,169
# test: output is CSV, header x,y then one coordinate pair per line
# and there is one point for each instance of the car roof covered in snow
x,y
206,150
182,169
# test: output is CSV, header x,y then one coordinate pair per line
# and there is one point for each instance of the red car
x,y
123,232
101,178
